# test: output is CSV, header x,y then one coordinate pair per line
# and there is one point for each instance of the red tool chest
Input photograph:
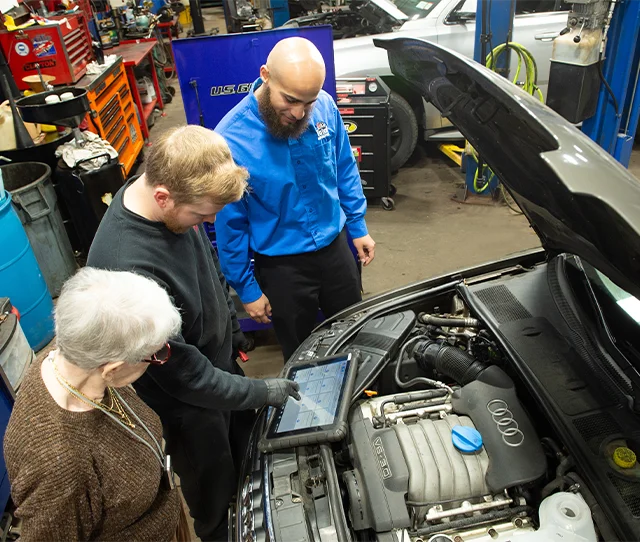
x,y
62,50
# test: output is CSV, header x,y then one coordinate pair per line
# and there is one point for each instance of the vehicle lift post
x,y
615,132
196,16
494,25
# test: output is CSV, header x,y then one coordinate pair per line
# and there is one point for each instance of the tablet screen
x,y
321,388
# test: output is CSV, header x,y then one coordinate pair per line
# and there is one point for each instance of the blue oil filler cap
x,y
466,439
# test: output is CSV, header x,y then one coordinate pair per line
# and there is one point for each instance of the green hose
x,y
480,189
524,57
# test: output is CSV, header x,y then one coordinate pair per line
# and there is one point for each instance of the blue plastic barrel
x,y
21,279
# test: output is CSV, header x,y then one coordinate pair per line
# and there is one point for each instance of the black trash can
x,y
87,195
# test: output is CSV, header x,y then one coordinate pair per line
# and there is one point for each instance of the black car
x,y
496,403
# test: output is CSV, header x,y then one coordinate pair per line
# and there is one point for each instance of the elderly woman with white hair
x,y
83,452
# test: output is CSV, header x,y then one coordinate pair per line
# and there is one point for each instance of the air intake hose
x,y
447,360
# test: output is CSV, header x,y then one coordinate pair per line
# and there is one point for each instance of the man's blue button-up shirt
x,y
302,191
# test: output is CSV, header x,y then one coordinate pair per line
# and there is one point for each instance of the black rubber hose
x,y
564,466
417,379
448,360
560,480
557,483
486,517
608,87
335,499
553,446
606,530
441,321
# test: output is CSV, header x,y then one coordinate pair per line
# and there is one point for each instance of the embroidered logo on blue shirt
x,y
322,130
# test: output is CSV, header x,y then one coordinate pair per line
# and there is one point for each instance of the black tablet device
x,y
321,414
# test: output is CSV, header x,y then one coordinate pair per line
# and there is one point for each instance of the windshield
x,y
628,303
416,9
620,311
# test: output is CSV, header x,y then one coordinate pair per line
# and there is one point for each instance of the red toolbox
x,y
62,50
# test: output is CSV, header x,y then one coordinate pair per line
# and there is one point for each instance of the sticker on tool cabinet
x,y
350,126
322,130
43,46
133,134
48,63
22,48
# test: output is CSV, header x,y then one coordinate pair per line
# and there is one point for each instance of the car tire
x,y
404,130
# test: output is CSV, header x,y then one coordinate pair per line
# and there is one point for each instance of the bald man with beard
x,y
305,193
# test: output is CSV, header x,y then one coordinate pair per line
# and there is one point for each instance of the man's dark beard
x,y
272,119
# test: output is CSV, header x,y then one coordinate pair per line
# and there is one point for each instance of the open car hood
x,y
577,198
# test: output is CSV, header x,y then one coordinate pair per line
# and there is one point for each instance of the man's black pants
x,y
300,284
207,448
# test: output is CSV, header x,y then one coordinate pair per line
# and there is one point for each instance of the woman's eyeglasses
x,y
161,356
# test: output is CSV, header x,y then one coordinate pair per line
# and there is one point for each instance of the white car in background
x,y
449,23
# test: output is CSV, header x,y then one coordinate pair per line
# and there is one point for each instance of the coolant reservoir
x,y
565,517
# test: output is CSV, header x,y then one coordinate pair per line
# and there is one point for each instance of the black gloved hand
x,y
240,342
279,389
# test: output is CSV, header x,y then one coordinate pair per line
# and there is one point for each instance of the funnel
x,y
69,113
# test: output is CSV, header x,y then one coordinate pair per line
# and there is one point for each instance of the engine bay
x,y
445,444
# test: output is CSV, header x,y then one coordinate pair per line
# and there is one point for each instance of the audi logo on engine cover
x,y
507,426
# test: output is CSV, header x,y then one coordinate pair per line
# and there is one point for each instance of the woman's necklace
x,y
117,412
115,407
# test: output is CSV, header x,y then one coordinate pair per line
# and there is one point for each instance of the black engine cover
x,y
515,453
